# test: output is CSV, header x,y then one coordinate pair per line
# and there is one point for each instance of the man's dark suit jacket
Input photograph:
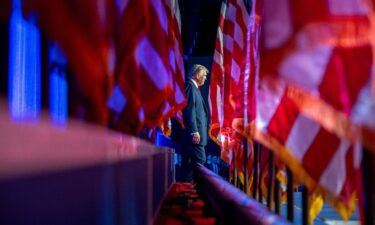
x,y
195,115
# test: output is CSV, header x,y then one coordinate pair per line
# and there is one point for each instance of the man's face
x,y
201,77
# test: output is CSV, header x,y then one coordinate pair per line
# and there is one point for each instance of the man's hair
x,y
196,68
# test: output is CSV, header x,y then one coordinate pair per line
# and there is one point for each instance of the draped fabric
x,y
126,56
315,97
245,106
245,99
315,103
325,50
84,30
124,103
150,72
143,75
177,97
324,162
227,68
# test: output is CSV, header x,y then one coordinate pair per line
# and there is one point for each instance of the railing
x,y
80,174
273,187
230,205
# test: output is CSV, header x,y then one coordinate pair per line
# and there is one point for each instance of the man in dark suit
x,y
195,116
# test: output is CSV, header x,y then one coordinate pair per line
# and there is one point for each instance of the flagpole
x,y
255,173
260,193
271,179
368,170
235,177
245,161
290,197
305,207
277,192
245,152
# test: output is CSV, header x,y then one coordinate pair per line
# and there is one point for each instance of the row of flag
x,y
297,76
125,56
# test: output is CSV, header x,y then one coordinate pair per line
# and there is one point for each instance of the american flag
x,y
150,72
320,54
125,55
177,97
228,65
324,49
325,163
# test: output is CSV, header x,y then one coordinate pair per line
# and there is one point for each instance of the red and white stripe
x,y
227,67
322,54
177,97
245,99
149,72
324,160
217,79
324,49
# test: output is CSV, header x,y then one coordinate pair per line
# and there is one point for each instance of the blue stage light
x,y
24,95
58,97
58,86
